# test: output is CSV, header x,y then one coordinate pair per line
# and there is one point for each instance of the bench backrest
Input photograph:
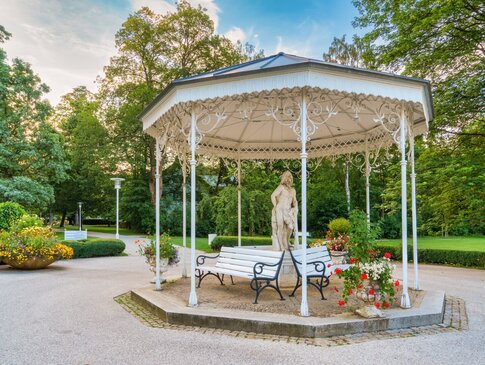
x,y
319,253
243,260
75,235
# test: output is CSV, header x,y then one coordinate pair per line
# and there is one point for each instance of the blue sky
x,y
69,41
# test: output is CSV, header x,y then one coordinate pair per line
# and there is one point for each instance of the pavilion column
x,y
193,295
184,216
239,202
157,214
303,155
405,302
347,187
367,181
414,214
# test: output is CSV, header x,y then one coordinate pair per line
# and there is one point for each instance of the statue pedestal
x,y
287,277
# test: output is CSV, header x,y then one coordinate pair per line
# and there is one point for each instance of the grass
x,y
106,229
442,243
201,243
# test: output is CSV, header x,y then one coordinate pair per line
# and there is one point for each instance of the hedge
x,y
96,248
444,257
231,241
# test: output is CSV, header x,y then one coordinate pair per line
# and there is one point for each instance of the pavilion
x,y
289,107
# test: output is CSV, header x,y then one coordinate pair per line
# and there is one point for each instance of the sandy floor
x,y
241,297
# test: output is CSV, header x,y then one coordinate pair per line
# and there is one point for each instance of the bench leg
x,y
256,286
201,276
297,285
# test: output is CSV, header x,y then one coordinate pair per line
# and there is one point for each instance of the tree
x,y
31,155
344,53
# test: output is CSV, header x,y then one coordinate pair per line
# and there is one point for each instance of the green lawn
x,y
106,229
201,243
440,243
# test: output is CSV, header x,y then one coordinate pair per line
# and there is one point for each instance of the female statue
x,y
284,218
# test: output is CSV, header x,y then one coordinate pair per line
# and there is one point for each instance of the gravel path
x,y
67,315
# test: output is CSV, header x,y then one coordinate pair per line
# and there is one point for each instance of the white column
x,y
184,216
347,187
405,302
367,181
239,202
157,215
303,155
193,295
414,215
117,212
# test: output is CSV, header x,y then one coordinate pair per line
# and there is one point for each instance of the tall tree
x,y
31,155
344,53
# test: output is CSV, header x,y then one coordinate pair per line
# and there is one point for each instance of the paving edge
x,y
160,304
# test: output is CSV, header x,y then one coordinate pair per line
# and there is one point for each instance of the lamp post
x,y
117,181
80,204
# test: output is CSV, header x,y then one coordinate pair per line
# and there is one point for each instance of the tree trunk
x,y
63,218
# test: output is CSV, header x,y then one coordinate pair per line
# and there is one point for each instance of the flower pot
x,y
339,257
32,263
151,260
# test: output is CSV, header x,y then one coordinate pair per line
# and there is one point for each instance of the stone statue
x,y
284,218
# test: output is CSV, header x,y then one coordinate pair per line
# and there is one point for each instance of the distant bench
x,y
319,266
260,266
75,235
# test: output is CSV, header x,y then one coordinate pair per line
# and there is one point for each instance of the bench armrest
x,y
259,266
320,266
201,259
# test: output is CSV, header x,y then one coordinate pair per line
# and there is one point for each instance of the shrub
x,y
96,248
9,213
27,220
444,257
231,241
339,226
362,242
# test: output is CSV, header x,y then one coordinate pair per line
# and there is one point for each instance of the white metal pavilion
x,y
289,107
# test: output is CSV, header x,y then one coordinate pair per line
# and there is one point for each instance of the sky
x,y
68,42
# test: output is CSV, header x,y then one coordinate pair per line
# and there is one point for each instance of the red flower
x,y
386,304
387,255
359,286
371,292
352,260
329,266
363,276
341,303
377,304
335,289
338,271
349,291
396,283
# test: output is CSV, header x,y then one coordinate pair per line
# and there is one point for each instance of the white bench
x,y
75,235
319,266
260,266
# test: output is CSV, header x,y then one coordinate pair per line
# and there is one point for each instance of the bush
x,y
231,241
9,213
96,248
26,221
339,226
443,257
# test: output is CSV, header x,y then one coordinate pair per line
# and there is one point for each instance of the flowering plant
x,y
337,242
167,249
32,242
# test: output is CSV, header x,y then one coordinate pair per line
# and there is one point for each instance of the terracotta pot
x,y
33,263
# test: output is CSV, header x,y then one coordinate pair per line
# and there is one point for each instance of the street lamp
x,y
80,204
117,181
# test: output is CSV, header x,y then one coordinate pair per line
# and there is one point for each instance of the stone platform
x,y
174,310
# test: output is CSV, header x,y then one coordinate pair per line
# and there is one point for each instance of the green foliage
x,y
390,226
443,257
25,221
339,226
363,236
136,207
167,249
9,213
231,241
96,248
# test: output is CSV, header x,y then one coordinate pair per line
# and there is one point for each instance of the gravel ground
x,y
67,315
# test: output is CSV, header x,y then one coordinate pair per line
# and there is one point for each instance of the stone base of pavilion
x,y
230,307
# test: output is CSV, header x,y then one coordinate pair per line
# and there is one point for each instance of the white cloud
x,y
165,6
67,43
236,34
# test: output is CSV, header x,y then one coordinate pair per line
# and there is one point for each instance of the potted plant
x,y
337,239
32,248
370,276
168,253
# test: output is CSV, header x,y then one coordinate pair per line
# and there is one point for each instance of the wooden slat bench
x,y
319,266
262,267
